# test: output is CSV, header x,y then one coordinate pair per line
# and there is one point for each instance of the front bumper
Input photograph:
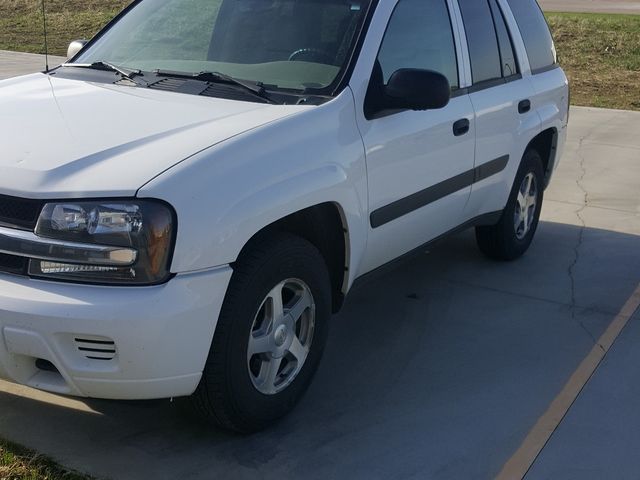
x,y
110,342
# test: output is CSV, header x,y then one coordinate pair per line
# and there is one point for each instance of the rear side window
x,y
507,55
482,41
535,33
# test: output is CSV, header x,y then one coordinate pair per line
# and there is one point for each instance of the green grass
x,y
601,55
67,20
17,463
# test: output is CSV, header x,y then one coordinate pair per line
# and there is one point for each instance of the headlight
x,y
143,229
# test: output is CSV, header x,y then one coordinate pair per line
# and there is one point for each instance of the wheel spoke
x,y
522,201
518,218
528,188
276,310
259,344
525,221
269,373
298,350
305,301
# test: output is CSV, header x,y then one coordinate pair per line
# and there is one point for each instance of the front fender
x,y
224,195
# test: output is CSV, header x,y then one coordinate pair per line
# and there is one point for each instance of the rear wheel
x,y
511,237
270,335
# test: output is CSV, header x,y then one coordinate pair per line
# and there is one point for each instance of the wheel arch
x,y
546,144
323,225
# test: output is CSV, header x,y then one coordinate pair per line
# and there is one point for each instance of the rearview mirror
x,y
75,47
415,89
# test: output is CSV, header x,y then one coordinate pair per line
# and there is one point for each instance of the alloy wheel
x,y
281,336
526,203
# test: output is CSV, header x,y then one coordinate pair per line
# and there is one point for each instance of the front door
x,y
420,163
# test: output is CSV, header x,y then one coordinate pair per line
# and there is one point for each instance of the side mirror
x,y
415,89
75,47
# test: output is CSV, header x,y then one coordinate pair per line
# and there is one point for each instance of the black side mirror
x,y
415,89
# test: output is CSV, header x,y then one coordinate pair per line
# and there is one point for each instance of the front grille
x,y
13,264
19,212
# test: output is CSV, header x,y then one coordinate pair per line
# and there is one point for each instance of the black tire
x,y
500,241
226,394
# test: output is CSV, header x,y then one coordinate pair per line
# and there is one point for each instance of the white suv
x,y
186,202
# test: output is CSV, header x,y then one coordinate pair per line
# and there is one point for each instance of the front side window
x,y
287,44
419,35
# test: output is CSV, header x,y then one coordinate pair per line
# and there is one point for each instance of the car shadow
x,y
435,369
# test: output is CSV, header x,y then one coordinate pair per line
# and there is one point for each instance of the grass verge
x,y
67,20
601,55
17,463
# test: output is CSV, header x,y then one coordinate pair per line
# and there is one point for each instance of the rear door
x,y
501,99
547,78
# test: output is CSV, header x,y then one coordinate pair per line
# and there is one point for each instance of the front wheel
x,y
511,237
270,335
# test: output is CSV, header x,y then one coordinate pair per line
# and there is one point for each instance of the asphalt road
x,y
592,6
439,369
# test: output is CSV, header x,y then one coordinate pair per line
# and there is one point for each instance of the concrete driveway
x,y
451,366
13,64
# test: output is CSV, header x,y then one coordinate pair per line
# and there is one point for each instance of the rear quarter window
x,y
535,34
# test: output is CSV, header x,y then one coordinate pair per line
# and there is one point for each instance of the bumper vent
x,y
18,212
96,348
13,264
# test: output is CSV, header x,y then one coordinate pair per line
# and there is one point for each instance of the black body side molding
x,y
440,190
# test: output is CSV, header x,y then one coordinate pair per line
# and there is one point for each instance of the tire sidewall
x,y
300,261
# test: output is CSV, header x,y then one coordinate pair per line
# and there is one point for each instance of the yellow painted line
x,y
522,460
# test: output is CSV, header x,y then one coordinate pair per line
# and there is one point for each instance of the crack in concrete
x,y
576,249
583,309
635,213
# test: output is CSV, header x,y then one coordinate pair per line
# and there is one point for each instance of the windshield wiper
x,y
256,88
102,65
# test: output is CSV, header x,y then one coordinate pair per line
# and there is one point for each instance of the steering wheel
x,y
314,53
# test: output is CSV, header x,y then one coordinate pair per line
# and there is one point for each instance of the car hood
x,y
67,138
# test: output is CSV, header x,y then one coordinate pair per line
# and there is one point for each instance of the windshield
x,y
285,44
